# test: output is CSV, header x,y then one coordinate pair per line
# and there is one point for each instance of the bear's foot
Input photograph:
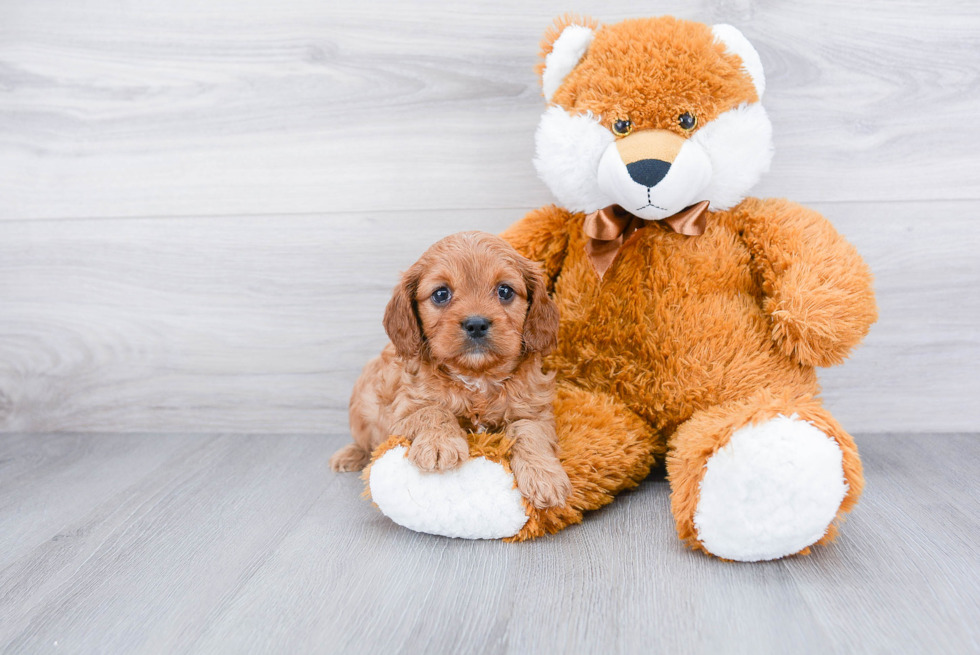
x,y
604,448
476,500
763,477
771,491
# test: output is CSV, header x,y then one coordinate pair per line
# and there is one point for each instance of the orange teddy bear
x,y
692,317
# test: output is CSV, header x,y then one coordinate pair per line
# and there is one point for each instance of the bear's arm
x,y
818,290
542,236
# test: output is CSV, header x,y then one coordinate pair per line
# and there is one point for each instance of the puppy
x,y
468,324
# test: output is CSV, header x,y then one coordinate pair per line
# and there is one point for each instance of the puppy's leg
x,y
366,422
438,443
534,461
349,458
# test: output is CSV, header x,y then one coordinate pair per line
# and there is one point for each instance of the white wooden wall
x,y
205,203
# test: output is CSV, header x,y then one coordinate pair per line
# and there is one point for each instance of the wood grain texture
x,y
262,324
248,544
182,108
204,204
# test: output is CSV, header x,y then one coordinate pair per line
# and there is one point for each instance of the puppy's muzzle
x,y
476,327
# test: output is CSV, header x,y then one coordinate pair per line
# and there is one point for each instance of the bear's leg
x,y
762,478
603,446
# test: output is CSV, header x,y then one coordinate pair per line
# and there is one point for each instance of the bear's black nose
x,y
476,327
648,172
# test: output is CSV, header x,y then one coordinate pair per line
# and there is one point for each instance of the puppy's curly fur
x,y
467,358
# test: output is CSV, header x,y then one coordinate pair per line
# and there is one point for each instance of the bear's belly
x,y
675,325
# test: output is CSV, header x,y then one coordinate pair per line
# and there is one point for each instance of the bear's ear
x,y
563,46
736,44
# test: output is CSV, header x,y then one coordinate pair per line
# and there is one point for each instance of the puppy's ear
x,y
541,324
401,318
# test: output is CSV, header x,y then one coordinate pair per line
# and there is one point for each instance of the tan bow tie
x,y
609,228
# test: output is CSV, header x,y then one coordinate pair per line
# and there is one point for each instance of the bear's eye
x,y
687,121
505,293
441,296
622,127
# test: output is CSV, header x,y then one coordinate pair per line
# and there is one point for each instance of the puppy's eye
x,y
441,296
505,293
687,121
622,127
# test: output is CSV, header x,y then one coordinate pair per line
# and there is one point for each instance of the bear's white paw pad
x,y
771,491
477,500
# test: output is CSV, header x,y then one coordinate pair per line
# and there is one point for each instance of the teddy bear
x,y
692,316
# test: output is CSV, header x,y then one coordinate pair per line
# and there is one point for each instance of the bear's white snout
x,y
654,174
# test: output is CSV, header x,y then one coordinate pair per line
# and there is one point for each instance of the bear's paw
x,y
772,491
476,500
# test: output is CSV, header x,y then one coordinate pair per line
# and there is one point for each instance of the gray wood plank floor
x,y
248,544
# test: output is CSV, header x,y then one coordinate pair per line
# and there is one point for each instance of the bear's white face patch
x,y
567,152
576,157
687,176
739,144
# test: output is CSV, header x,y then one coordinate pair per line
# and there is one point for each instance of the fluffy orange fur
x,y
436,381
689,70
684,339
679,327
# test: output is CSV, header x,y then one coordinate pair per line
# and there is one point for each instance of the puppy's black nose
x,y
476,327
648,172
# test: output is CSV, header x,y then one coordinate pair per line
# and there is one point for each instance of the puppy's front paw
x,y
438,452
544,486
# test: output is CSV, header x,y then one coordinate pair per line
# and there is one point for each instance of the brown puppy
x,y
468,325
